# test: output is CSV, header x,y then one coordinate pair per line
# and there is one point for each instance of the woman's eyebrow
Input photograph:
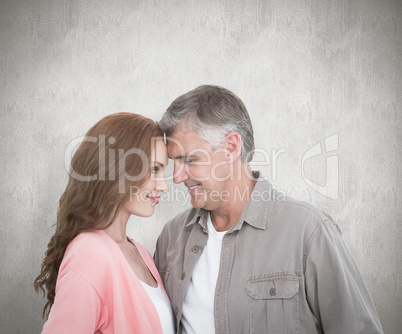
x,y
159,163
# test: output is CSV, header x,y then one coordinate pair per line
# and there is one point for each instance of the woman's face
x,y
142,202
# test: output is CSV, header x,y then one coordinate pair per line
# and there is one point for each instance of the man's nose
x,y
179,173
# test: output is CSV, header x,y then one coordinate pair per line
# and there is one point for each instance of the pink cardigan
x,y
98,292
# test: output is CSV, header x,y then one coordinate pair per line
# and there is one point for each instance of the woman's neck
x,y
117,230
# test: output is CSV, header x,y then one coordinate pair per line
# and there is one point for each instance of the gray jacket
x,y
284,269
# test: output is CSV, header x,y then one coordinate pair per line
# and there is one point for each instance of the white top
x,y
162,305
198,304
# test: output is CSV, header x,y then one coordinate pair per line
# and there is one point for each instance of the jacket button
x,y
195,249
183,276
272,292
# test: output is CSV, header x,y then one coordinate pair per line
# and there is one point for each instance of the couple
x,y
239,261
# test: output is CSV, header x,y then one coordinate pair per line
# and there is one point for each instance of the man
x,y
243,259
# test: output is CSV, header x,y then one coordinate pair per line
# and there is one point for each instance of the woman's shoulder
x,y
90,242
89,252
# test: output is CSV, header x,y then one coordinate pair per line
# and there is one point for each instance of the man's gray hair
x,y
212,112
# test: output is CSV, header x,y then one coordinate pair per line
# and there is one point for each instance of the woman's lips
x,y
154,199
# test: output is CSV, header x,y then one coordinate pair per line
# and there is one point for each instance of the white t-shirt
x,y
198,304
163,307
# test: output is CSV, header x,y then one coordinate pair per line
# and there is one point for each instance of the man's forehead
x,y
181,138
175,149
185,143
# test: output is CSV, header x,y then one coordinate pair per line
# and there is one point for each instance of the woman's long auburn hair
x,y
88,205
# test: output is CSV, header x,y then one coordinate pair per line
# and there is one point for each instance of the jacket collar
x,y
255,212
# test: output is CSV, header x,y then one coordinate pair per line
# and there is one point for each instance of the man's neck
x,y
228,214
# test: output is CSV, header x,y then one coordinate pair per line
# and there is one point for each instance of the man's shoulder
x,y
307,207
299,212
299,220
279,203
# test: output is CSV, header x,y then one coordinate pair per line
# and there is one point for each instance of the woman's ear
x,y
233,145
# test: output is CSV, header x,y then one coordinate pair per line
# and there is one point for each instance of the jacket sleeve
x,y
76,307
336,292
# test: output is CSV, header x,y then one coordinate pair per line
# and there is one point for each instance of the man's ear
x,y
233,145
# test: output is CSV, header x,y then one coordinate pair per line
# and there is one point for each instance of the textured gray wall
x,y
306,70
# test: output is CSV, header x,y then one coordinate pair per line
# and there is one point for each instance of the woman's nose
x,y
162,185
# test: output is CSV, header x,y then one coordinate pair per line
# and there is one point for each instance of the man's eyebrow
x,y
185,157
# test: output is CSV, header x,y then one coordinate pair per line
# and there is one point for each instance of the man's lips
x,y
191,188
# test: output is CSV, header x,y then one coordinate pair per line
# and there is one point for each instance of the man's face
x,y
203,171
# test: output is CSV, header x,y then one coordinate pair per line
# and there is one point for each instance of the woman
x,y
98,280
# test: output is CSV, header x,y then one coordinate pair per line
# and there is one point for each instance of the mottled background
x,y
306,70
